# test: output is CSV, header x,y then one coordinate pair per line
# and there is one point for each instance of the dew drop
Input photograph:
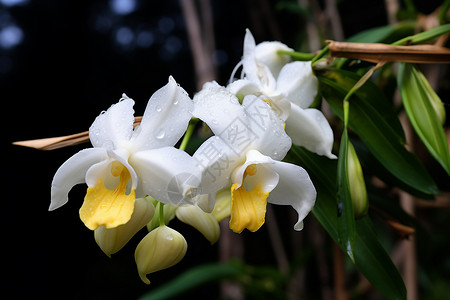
x,y
160,134
158,108
169,237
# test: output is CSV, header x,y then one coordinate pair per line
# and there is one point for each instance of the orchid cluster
x,y
137,178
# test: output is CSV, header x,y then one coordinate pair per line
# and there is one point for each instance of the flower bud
x,y
203,222
160,249
113,239
222,207
435,101
358,191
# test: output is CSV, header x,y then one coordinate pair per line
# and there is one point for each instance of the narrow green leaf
x,y
346,217
425,36
367,119
422,115
369,93
384,34
371,258
375,263
193,278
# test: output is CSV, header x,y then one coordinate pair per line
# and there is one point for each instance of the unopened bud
x,y
435,101
358,191
222,207
203,222
160,249
113,239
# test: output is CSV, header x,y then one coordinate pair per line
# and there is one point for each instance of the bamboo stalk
x,y
62,141
376,52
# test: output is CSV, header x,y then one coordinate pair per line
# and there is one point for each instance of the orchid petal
x,y
73,172
217,161
165,119
270,138
267,54
252,183
244,87
261,172
254,71
167,174
115,126
294,188
309,128
297,82
217,107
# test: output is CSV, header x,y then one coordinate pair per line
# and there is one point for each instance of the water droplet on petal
x,y
158,108
160,134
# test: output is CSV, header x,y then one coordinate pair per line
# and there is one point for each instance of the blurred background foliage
x,y
62,62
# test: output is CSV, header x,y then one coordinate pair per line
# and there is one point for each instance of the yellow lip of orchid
x,y
110,208
126,161
245,157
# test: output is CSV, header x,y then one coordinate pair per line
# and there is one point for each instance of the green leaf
x,y
383,34
371,258
425,36
193,278
419,108
374,168
373,123
346,217
375,263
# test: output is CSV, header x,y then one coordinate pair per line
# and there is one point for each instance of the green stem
x,y
188,134
297,55
161,214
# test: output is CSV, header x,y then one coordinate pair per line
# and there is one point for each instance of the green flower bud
x,y
435,101
357,185
203,222
160,249
113,239
222,207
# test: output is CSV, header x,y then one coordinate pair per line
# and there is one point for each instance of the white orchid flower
x,y
125,163
244,155
290,88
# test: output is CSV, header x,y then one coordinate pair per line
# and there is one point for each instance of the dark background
x,y
61,64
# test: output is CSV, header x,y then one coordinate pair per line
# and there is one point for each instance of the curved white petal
x,y
294,188
217,107
309,128
73,172
256,72
217,161
244,87
267,129
267,54
165,119
297,82
167,174
122,156
263,173
115,126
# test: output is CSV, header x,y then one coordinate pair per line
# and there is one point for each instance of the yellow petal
x,y
248,208
110,208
